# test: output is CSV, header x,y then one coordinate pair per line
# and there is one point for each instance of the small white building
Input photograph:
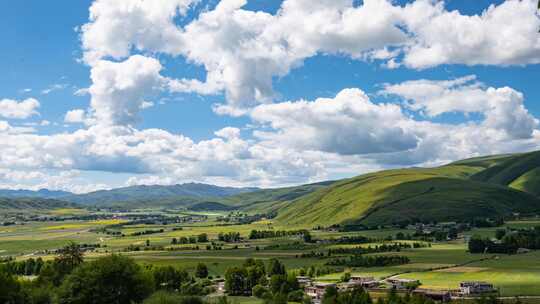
x,y
474,287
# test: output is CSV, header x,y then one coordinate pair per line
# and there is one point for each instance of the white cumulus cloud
x,y
14,109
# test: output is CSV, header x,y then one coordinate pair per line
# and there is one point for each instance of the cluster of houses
x,y
316,290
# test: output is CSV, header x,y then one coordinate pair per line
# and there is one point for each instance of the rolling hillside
x,y
520,171
489,186
268,200
442,194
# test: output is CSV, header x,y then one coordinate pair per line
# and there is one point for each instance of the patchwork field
x,y
442,265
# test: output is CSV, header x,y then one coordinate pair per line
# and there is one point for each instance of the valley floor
x,y
512,275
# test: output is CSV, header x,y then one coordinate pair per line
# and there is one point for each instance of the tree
x,y
256,273
277,282
108,280
477,245
202,238
54,272
500,233
330,295
235,281
10,289
259,291
307,237
169,277
359,296
162,297
201,271
71,256
275,267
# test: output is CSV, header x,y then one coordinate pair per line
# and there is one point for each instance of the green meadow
x,y
511,274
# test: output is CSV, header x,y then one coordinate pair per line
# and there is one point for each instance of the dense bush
x,y
111,279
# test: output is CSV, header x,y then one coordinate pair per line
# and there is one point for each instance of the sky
x,y
104,94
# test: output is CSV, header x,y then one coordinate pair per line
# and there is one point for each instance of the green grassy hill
x,y
520,171
268,200
394,196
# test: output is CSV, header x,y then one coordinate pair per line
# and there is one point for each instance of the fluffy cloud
x,y
347,124
75,116
119,89
14,109
506,34
228,133
154,152
117,27
6,128
242,51
293,142
502,108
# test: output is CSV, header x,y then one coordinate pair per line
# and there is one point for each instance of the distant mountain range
x,y
189,192
21,204
43,193
490,186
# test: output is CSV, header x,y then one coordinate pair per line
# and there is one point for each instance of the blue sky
x,y
42,57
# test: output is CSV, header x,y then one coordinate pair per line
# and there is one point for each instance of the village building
x,y
317,290
398,283
473,287
364,281
303,281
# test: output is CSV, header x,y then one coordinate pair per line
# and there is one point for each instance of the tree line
x,y
508,241
369,261
112,279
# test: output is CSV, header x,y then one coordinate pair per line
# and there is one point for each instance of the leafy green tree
x,y
71,256
307,237
37,294
202,238
276,282
330,295
295,296
259,291
477,245
278,298
500,233
169,277
256,273
10,289
201,271
163,297
346,277
235,281
108,280
275,267
355,296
